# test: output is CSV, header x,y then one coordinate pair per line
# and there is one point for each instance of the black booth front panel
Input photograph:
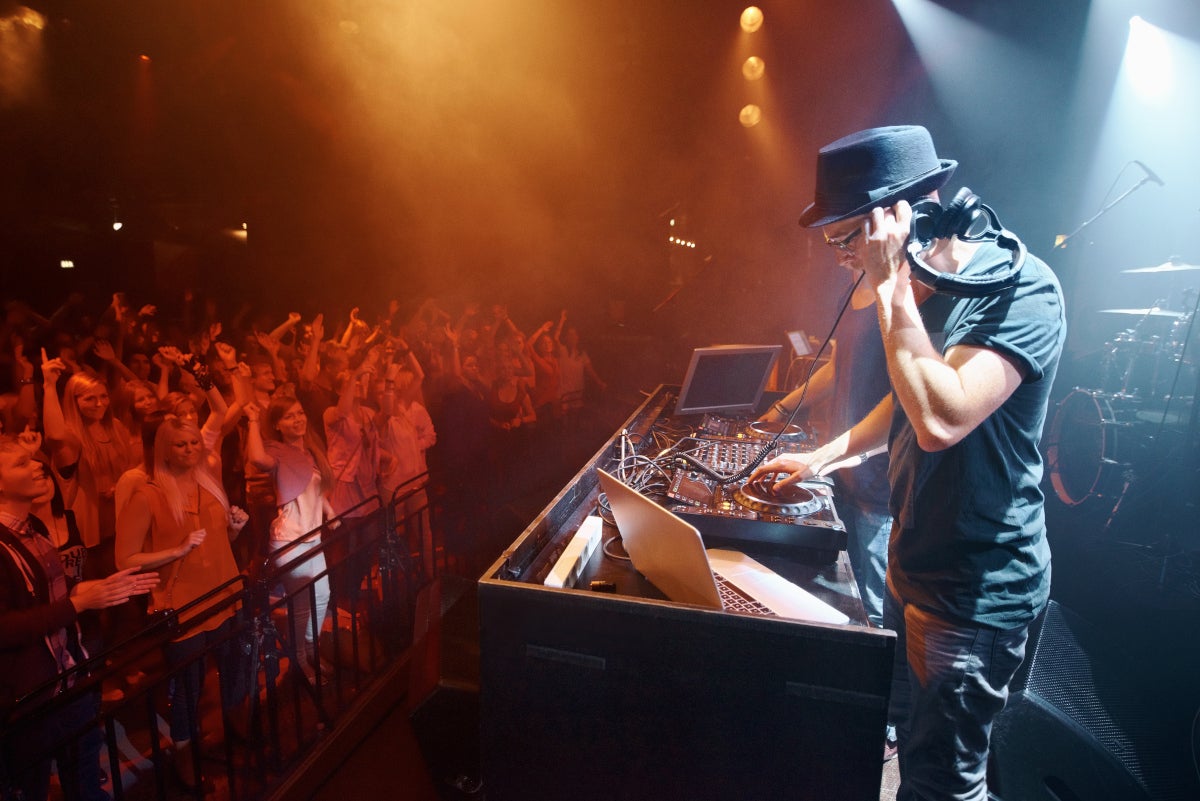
x,y
597,695
587,697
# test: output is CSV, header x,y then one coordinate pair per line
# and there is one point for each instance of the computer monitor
x,y
726,379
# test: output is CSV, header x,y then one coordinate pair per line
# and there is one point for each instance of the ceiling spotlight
x,y
750,115
118,225
752,19
753,68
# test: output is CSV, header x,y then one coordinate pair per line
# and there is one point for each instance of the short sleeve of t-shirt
x,y
1026,337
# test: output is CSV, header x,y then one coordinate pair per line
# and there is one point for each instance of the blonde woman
x,y
180,524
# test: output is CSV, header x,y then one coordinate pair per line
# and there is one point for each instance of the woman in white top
x,y
282,443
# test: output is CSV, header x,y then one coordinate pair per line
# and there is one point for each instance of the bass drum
x,y
1095,439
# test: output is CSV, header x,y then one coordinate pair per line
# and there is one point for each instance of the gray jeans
x,y
308,590
949,682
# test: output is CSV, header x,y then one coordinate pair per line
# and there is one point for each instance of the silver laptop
x,y
669,552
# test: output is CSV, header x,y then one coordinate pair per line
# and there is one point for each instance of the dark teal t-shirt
x,y
860,382
970,541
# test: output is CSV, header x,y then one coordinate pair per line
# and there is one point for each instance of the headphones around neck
x,y
930,222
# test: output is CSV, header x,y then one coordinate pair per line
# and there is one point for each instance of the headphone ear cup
x,y
959,216
926,215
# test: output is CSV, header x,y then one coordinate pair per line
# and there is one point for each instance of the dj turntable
x,y
705,461
793,500
755,517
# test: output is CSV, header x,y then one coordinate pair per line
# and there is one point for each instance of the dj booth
x,y
595,686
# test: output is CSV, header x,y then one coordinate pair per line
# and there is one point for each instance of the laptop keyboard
x,y
734,600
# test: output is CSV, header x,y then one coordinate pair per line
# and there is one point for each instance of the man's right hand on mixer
x,y
788,468
849,449
774,415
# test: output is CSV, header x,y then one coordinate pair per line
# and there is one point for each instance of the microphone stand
x,y
1062,243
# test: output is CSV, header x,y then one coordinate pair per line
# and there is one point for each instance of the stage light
x,y
27,17
66,264
21,54
145,59
118,225
752,19
753,68
750,115
1148,61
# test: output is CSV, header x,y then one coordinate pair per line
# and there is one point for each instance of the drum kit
x,y
1103,439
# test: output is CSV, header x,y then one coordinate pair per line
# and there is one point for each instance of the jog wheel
x,y
792,500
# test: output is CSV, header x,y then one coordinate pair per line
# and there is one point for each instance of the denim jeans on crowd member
x,y
949,682
349,555
233,669
867,544
72,737
308,594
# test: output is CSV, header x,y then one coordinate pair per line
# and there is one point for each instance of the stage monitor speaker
x,y
1077,728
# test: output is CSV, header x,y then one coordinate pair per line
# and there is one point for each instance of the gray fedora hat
x,y
875,167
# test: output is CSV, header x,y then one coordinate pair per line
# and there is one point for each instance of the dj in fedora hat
x,y
970,375
875,167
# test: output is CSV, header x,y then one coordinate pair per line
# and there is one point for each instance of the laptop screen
x,y
663,547
799,342
726,379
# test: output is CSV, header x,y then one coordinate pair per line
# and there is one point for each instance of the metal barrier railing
x,y
264,712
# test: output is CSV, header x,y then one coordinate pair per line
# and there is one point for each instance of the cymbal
x,y
1165,267
1144,312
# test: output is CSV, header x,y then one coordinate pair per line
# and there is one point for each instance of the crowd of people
x,y
165,454
134,442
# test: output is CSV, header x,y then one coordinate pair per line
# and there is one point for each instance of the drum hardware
x,y
1185,335
1092,437
1106,448
1156,560
1130,365
1153,311
1128,477
1148,359
1181,332
1170,266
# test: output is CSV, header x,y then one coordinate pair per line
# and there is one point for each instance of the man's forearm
x,y
868,436
927,387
